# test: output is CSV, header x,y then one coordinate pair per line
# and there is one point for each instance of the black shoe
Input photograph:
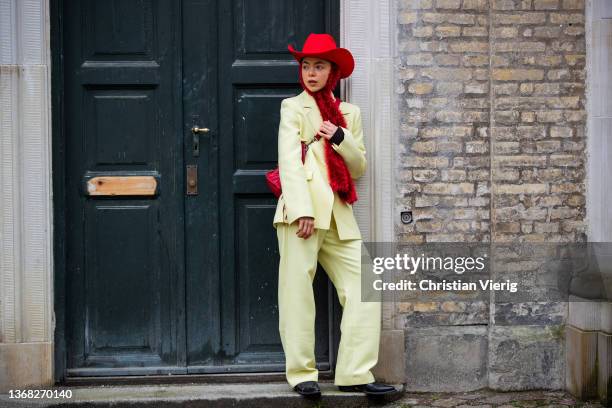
x,y
373,388
308,388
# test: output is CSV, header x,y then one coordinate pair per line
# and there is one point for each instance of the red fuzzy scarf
x,y
339,176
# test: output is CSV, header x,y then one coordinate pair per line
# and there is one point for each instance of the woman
x,y
314,222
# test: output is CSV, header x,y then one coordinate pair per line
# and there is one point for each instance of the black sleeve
x,y
338,136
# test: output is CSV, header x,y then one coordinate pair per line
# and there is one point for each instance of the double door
x,y
171,113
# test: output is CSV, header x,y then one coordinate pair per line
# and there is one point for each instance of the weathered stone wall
x,y
444,174
492,120
491,95
538,120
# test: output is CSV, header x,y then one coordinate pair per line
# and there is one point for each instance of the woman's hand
x,y
327,129
305,227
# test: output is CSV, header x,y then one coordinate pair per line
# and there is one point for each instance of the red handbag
x,y
273,176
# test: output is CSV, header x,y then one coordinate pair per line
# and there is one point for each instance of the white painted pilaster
x,y
599,119
367,31
26,257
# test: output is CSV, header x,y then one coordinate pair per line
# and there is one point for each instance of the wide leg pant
x,y
360,325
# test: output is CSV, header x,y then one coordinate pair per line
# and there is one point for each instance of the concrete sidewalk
x,y
279,394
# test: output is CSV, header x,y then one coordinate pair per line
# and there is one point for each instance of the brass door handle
x,y
196,139
196,129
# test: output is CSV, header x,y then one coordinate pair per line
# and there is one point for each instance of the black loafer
x,y
308,388
370,389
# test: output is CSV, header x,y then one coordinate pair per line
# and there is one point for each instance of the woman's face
x,y
315,72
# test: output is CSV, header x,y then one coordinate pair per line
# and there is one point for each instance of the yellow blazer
x,y
306,189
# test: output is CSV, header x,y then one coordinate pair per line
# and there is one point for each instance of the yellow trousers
x,y
360,325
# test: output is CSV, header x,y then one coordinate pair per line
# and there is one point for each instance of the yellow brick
x,y
420,88
518,74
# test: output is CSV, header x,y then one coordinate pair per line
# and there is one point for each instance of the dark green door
x,y
172,259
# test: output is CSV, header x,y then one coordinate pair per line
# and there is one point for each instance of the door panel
x,y
125,252
256,73
200,108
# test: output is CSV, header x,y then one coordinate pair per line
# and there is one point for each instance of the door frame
x,y
58,172
56,29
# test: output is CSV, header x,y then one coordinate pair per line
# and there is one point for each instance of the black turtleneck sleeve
x,y
338,136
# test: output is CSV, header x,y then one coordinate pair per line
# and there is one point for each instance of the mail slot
x,y
122,185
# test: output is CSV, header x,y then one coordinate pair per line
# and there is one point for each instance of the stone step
x,y
269,395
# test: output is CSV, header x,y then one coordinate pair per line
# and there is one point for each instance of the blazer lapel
x,y
312,110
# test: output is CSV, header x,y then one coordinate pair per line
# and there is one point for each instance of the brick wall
x,y
538,120
492,120
491,97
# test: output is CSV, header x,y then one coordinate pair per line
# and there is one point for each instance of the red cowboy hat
x,y
324,46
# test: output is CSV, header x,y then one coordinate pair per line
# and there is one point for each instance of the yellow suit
x,y
335,244
306,189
